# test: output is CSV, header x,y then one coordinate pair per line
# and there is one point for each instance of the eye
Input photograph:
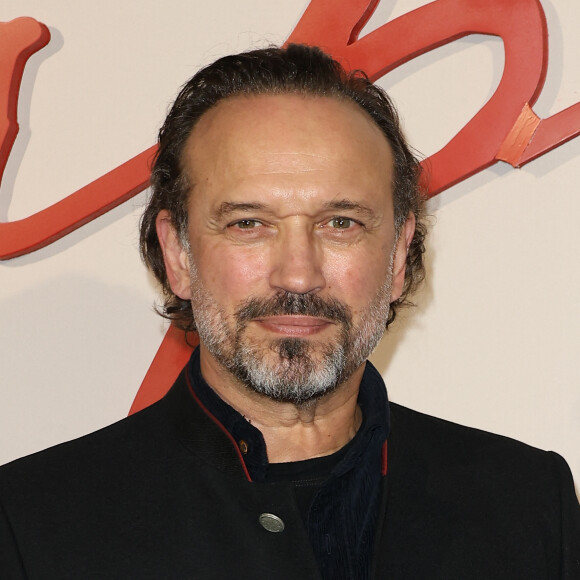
x,y
342,229
248,230
341,223
246,224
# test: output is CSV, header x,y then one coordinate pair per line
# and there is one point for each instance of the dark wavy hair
x,y
296,69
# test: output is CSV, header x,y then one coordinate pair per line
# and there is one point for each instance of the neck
x,y
292,432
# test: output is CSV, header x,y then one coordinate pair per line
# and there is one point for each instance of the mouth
x,y
294,325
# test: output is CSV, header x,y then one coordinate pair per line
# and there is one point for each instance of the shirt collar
x,y
372,400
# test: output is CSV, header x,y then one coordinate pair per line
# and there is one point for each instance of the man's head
x,y
285,200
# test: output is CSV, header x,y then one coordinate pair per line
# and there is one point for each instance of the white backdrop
x,y
495,338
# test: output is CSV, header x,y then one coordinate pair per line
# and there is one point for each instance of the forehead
x,y
279,138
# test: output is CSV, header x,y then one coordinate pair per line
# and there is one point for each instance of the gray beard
x,y
293,370
297,378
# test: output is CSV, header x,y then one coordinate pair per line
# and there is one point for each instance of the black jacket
x,y
164,494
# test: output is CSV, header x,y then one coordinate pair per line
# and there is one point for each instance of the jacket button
x,y
243,447
271,523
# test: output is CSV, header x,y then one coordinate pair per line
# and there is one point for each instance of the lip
x,y
294,325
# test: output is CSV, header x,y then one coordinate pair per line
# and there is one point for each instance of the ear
x,y
400,258
174,255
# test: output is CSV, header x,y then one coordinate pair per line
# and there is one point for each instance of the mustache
x,y
287,303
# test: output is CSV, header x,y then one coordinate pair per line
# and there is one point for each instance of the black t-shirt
x,y
306,476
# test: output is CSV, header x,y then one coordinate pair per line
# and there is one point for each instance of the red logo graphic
x,y
504,129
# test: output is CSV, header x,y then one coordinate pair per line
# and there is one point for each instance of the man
x,y
285,227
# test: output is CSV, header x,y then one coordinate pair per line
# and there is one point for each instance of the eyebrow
x,y
228,207
347,204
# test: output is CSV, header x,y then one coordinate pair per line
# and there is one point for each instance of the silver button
x,y
271,522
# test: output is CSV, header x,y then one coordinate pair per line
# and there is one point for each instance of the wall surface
x,y
495,336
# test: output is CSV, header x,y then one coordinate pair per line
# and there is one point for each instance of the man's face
x,y
292,242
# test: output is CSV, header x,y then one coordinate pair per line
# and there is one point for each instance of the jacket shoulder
x,y
452,443
442,449
458,493
136,448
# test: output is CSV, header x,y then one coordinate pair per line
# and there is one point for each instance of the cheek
x,y
231,273
355,278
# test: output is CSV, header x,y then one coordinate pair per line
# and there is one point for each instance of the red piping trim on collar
x,y
229,435
384,459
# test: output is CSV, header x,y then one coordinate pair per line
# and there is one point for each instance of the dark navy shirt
x,y
338,495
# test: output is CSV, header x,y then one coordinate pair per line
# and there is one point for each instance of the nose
x,y
297,262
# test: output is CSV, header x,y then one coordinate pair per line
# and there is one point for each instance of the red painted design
x,y
505,128
171,357
19,39
519,137
489,136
